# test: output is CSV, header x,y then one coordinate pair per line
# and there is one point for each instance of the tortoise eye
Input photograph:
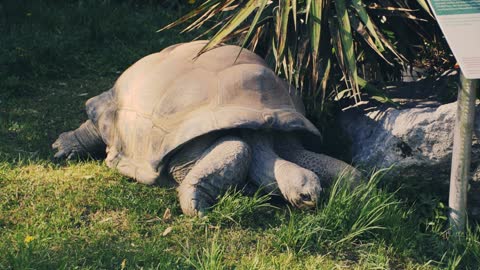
x,y
305,197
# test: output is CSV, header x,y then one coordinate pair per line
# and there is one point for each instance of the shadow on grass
x,y
57,55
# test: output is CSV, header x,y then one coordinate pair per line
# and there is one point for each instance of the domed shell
x,y
169,98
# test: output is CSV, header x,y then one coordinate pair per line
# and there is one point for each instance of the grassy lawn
x,y
54,55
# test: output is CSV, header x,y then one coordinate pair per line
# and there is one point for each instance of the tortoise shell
x,y
168,98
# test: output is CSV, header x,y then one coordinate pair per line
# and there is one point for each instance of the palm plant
x,y
325,48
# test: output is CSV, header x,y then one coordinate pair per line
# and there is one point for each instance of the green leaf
x,y
375,93
207,14
323,84
362,13
360,28
299,38
307,10
425,6
258,13
315,26
212,28
238,19
283,27
202,8
294,12
347,46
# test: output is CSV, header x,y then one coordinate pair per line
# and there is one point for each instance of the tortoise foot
x,y
81,142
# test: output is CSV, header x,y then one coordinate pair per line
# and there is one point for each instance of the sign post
x,y
460,23
461,154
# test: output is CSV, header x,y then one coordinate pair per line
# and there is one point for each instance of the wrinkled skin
x,y
208,166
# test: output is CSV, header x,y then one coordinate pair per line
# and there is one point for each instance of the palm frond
x,y
317,45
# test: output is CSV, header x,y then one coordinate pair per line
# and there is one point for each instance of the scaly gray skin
x,y
182,161
326,168
81,142
208,166
300,186
221,166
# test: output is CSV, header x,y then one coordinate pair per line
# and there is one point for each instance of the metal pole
x,y
461,155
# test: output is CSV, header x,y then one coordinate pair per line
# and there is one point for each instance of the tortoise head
x,y
301,187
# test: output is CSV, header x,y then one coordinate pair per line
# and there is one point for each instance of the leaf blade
x,y
231,25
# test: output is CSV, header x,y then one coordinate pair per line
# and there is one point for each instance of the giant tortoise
x,y
210,122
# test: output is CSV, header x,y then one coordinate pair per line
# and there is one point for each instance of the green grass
x,y
83,215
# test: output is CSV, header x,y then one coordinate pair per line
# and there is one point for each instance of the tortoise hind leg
x,y
223,165
83,141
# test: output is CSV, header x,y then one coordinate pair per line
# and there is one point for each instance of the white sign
x,y
460,23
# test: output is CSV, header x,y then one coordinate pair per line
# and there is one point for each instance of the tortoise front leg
x,y
300,186
325,167
80,142
221,166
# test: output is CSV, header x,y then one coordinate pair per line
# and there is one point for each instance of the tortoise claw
x,y
66,146
60,154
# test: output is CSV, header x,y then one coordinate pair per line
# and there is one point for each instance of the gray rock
x,y
404,137
417,141
419,136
